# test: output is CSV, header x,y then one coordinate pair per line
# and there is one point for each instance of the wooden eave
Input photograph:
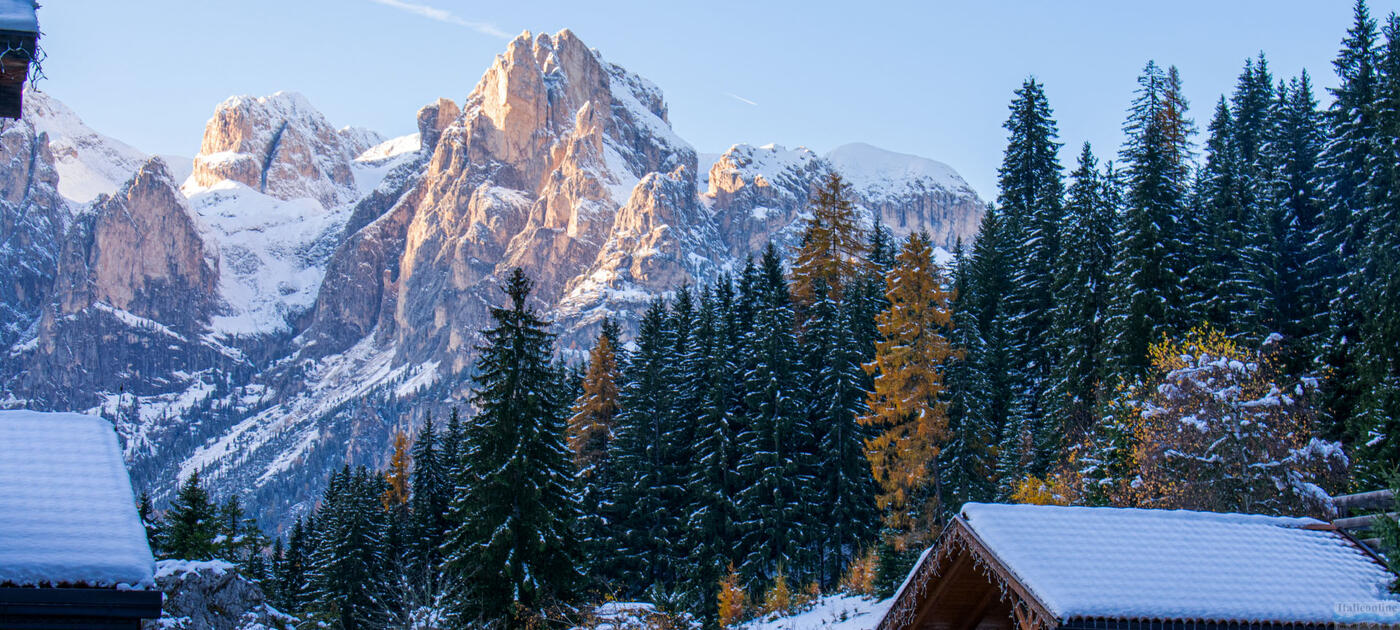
x,y
76,608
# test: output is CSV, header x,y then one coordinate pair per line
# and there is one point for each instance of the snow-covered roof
x,y
18,15
67,513
1082,562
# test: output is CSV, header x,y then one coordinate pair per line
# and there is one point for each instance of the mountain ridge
x,y
347,275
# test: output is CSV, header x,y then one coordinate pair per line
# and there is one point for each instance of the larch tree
x,y
833,252
906,406
590,436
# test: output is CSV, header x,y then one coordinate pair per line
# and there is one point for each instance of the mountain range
x,y
279,304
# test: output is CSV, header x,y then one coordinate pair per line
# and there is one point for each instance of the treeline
x,y
1194,327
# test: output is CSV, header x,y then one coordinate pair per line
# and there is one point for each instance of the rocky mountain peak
x,y
278,145
143,254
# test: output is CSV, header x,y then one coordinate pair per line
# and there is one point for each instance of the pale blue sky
x,y
930,78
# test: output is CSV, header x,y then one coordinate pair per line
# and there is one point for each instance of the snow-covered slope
x,y
88,162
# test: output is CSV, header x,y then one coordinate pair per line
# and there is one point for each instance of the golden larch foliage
x,y
590,428
908,370
778,599
733,600
834,249
859,578
397,474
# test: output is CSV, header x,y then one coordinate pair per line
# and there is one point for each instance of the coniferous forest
x,y
1209,319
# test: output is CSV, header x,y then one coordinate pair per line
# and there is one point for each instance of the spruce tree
x,y
1152,262
646,486
713,483
431,492
513,551
775,463
347,560
965,465
1378,272
1346,161
1081,300
844,508
191,523
1031,205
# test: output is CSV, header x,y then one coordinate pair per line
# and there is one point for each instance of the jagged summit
x,y
306,284
279,145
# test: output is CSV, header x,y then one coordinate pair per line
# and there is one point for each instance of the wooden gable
x,y
960,585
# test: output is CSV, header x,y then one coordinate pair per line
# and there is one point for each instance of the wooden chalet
x,y
73,551
19,33
1024,567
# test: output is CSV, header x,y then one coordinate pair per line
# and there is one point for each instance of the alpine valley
x,y
276,306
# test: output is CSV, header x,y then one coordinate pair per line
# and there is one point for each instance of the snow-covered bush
x,y
1214,426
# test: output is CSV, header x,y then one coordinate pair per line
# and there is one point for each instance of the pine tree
x,y
646,486
1030,200
513,550
774,463
191,523
1148,272
347,558
1082,296
713,481
905,405
1346,160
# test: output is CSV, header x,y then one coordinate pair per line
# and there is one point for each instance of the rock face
x,y
212,596
32,219
139,251
304,293
278,145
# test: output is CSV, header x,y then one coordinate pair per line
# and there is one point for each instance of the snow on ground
x,y
1160,564
67,512
88,163
625,616
835,612
167,568
272,254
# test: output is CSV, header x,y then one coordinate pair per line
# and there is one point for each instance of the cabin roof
x,y
67,513
1156,565
19,15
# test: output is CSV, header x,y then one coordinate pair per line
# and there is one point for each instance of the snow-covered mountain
x,y
278,304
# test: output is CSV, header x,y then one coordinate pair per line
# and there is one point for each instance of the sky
x,y
930,78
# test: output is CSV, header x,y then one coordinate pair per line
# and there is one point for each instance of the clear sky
x,y
931,78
